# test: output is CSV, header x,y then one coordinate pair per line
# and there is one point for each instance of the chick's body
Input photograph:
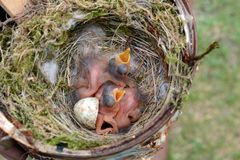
x,y
90,68
95,75
107,109
128,108
121,114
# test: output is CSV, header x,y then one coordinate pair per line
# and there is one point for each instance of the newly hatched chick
x,y
118,107
119,66
99,70
95,76
129,110
110,96
90,68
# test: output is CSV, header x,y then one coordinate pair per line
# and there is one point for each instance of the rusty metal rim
x,y
152,128
193,26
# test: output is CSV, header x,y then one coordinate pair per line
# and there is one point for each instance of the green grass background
x,y
209,128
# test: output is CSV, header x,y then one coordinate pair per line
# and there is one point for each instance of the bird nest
x,y
37,59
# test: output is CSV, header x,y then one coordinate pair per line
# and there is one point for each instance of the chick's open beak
x,y
118,94
111,98
124,57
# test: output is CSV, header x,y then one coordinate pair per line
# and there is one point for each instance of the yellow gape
x,y
124,57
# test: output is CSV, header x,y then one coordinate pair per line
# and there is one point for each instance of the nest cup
x,y
37,104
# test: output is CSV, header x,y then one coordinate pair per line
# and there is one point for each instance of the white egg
x,y
86,111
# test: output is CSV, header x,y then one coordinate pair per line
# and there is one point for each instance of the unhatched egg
x,y
86,111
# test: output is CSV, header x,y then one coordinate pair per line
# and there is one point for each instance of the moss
x,y
73,141
22,116
25,66
5,38
95,14
35,132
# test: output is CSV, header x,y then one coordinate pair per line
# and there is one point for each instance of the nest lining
x,y
152,29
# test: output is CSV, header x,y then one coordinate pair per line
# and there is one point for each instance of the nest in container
x,y
71,50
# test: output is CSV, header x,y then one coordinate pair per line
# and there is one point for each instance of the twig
x,y
4,23
213,46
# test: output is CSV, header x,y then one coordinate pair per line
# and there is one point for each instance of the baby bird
x,y
96,75
129,111
109,95
118,107
119,66
98,70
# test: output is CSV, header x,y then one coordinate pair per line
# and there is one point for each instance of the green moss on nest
x,y
73,141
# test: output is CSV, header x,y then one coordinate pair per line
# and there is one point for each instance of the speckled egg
x,y
86,111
